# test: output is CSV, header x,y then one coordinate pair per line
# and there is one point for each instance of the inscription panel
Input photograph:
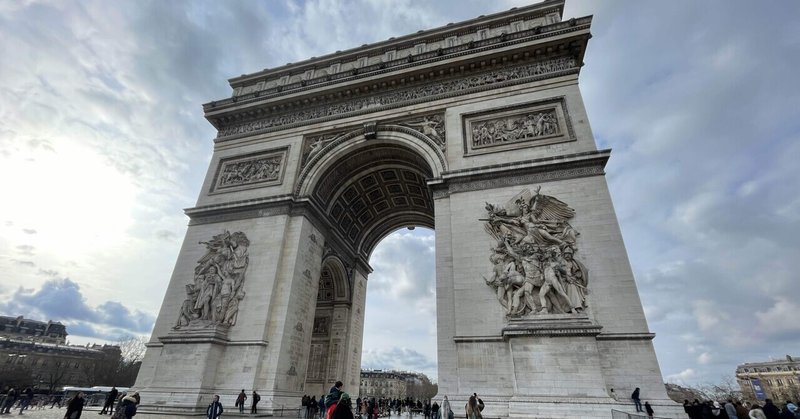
x,y
539,123
253,170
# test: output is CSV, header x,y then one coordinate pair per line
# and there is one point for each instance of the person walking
x,y
648,409
109,404
730,410
127,406
756,412
332,399
26,399
636,400
447,411
435,410
343,409
75,407
256,398
240,401
321,406
770,410
214,410
11,397
472,408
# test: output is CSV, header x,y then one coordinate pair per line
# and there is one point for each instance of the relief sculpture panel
x,y
545,122
214,296
254,170
534,266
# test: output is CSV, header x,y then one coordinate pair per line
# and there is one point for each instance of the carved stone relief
x,y
544,122
431,126
213,297
425,92
534,266
262,169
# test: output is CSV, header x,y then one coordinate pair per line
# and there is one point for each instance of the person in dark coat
x,y
75,407
770,410
636,400
240,401
344,408
648,409
128,405
256,398
214,410
110,399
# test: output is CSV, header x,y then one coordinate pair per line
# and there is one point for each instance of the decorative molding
x,y
626,336
254,170
507,76
520,126
336,70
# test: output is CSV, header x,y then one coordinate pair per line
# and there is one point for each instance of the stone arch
x,y
346,143
367,188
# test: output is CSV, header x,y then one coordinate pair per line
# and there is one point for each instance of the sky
x,y
103,144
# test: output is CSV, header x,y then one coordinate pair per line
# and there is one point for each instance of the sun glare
x,y
75,201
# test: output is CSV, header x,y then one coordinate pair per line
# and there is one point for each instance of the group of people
x,y
241,400
23,399
126,409
737,410
337,404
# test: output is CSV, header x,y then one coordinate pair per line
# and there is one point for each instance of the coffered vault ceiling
x,y
374,191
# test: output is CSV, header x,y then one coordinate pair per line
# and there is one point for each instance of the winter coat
x,y
214,410
75,408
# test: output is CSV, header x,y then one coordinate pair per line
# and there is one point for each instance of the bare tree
x,y
132,352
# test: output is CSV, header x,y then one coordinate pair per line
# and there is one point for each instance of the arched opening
x,y
372,192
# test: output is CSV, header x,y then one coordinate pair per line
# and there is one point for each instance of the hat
x,y
716,405
792,407
344,396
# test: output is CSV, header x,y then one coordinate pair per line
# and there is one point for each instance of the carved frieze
x,y
539,123
213,298
534,266
253,170
432,126
422,92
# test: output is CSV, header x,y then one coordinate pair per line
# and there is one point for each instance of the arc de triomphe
x,y
475,129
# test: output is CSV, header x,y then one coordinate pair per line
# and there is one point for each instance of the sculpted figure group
x,y
215,294
513,129
534,268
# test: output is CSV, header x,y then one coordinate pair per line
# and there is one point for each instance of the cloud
x,y
687,375
29,231
165,235
48,272
25,249
24,262
398,358
61,300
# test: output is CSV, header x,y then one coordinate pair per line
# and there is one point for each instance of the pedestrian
x,y
648,409
788,413
741,411
11,397
26,399
240,401
435,410
472,408
321,405
332,399
446,410
214,410
636,400
127,406
756,412
75,407
770,410
730,410
109,404
343,409
256,398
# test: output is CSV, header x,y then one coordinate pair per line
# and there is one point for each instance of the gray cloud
x,y
62,300
29,231
24,262
25,249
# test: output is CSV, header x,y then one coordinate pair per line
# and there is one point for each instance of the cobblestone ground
x,y
48,413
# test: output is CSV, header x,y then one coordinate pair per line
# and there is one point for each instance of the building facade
x,y
383,385
777,380
34,353
20,328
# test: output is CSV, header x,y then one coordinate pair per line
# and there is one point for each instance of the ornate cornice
x,y
568,166
394,97
263,86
